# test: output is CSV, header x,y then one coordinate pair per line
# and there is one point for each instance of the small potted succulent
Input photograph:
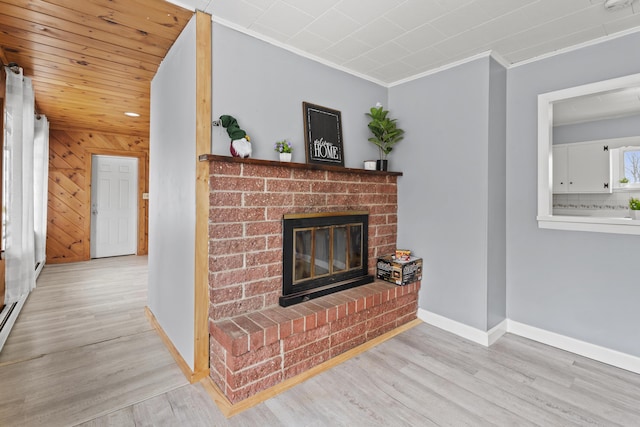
x,y
285,150
623,181
634,208
385,132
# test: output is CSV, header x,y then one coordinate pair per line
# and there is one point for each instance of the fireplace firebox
x,y
323,253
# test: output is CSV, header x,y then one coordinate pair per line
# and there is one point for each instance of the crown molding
x,y
294,50
490,53
330,64
486,54
578,46
500,59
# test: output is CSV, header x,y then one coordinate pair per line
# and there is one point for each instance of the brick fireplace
x,y
256,344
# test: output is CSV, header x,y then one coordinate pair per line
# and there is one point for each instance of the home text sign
x,y
323,135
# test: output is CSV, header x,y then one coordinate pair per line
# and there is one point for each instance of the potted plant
x,y
623,181
285,150
634,207
385,133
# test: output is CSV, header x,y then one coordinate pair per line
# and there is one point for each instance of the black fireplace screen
x,y
323,253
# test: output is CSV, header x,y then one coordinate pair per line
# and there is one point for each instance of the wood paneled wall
x,y
69,206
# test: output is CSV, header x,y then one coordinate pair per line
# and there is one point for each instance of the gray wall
x,y
496,221
443,204
579,284
597,129
263,87
172,193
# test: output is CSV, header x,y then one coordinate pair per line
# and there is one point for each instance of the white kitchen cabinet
x,y
583,167
560,169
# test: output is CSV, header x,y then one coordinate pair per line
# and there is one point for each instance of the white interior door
x,y
114,206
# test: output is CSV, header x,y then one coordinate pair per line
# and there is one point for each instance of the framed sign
x,y
323,135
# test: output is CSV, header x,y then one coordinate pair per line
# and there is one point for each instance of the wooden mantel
x,y
294,165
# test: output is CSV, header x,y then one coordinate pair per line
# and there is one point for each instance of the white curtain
x,y
41,187
18,194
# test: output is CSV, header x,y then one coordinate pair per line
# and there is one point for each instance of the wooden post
x,y
203,146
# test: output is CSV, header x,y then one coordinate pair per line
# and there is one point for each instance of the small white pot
x,y
634,214
370,165
285,157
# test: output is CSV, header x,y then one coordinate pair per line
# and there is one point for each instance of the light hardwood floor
x,y
82,346
422,377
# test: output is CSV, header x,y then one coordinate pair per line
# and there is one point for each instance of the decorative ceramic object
x,y
370,165
285,157
382,165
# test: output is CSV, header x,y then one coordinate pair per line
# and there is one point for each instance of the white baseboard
x,y
495,333
592,351
486,338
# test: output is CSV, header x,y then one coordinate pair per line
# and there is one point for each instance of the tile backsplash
x,y
618,200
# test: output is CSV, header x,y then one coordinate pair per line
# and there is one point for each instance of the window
x,y
626,167
631,165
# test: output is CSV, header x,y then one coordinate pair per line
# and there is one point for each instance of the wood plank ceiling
x,y
90,60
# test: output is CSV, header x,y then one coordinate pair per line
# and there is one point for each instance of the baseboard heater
x,y
10,312
6,313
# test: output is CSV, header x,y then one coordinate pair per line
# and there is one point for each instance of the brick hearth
x,y
256,344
